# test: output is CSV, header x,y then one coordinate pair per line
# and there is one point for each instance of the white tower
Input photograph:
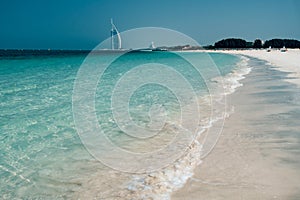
x,y
116,42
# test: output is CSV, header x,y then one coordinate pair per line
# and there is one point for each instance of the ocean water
x,y
43,157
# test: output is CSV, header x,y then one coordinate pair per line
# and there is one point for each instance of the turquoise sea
x,y
41,154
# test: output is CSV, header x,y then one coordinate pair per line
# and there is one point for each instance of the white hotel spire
x,y
116,42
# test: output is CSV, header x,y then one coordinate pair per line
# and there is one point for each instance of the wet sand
x,y
258,153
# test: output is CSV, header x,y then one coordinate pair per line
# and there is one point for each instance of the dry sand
x,y
288,61
257,155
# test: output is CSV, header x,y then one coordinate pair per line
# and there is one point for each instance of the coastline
x,y
233,168
250,160
288,61
160,184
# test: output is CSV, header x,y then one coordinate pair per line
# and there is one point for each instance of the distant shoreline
x,y
288,61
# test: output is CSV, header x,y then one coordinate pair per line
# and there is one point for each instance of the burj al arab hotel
x,y
116,42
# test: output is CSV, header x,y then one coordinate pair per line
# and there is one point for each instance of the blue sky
x,y
82,24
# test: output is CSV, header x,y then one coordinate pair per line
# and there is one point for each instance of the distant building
x,y
116,42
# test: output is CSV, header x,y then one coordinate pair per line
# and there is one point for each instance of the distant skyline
x,y
77,24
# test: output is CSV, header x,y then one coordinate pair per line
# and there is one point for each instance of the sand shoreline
x,y
288,61
247,161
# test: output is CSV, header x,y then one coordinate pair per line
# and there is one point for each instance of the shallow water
x,y
41,155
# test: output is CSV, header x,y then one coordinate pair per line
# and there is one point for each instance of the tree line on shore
x,y
241,44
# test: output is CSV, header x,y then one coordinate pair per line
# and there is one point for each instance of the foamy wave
x,y
159,185
231,81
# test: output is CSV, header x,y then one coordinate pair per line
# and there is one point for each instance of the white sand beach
x,y
288,61
257,155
